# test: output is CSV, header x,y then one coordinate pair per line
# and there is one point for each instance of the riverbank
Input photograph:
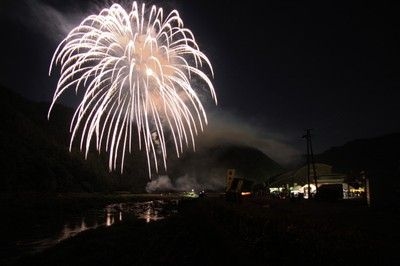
x,y
70,202
32,222
212,231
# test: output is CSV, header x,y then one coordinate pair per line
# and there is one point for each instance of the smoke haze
x,y
225,128
184,183
48,21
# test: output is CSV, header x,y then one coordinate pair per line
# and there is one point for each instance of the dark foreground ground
x,y
211,231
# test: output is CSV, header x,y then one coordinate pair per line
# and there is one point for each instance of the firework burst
x,y
136,70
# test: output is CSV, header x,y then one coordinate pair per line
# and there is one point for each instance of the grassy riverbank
x,y
212,231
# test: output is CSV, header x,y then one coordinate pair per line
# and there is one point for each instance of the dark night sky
x,y
281,67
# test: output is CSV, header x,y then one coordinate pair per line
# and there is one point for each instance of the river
x,y
39,234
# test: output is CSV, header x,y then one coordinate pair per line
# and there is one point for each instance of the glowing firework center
x,y
135,69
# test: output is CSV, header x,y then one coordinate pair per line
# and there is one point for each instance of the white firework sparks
x,y
136,70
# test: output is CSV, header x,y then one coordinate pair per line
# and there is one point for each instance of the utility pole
x,y
310,159
313,163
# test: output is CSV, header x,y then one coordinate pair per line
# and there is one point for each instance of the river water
x,y
44,233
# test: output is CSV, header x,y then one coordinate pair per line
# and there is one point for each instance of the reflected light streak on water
x,y
40,238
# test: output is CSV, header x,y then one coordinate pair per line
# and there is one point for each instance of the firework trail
x,y
136,69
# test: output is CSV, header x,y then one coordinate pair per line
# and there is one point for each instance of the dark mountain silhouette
x,y
213,162
34,152
380,154
35,157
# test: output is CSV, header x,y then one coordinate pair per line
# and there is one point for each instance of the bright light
x,y
137,70
247,193
149,72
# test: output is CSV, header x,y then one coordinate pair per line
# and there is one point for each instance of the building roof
x,y
299,176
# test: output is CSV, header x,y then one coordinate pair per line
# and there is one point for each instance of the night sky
x,y
280,67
